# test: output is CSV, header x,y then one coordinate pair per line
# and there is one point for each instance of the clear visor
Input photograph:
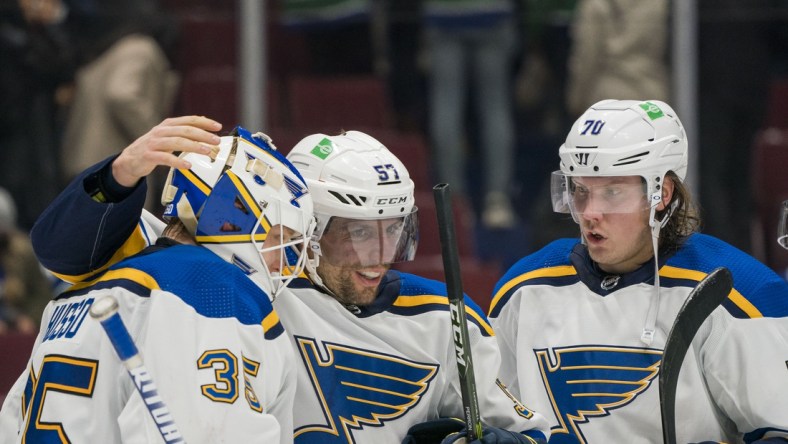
x,y
283,251
366,242
782,228
598,195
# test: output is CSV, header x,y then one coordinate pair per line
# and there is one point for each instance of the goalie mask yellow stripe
x,y
191,177
245,195
229,238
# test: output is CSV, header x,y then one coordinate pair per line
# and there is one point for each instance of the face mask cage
x,y
782,228
283,251
366,242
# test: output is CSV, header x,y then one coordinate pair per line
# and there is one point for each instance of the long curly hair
x,y
684,221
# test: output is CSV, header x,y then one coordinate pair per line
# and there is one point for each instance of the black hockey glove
x,y
493,435
433,432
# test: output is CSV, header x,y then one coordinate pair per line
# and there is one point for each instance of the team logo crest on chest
x,y
590,381
359,388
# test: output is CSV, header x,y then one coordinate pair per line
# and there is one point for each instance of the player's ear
x,y
668,186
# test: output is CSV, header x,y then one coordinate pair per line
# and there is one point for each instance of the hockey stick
x,y
459,324
105,310
704,298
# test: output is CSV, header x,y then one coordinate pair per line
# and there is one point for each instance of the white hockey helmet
x,y
354,177
233,200
622,138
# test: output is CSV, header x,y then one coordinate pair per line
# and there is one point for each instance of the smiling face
x,y
356,255
613,215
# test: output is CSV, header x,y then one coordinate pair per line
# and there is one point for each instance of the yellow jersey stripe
x,y
132,274
561,270
734,296
133,245
415,301
270,321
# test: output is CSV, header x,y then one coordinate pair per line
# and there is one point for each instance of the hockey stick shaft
x,y
105,310
451,270
704,298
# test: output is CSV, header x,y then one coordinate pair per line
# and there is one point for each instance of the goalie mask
x,y
614,139
363,196
246,203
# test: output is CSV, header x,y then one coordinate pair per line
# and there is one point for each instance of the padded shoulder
x,y
419,295
551,265
204,281
757,290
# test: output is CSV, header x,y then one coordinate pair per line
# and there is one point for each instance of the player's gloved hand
x,y
493,435
433,432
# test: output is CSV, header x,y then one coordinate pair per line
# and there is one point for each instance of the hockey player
x,y
582,323
375,348
210,337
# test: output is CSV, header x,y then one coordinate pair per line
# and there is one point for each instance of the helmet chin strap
x,y
313,262
647,336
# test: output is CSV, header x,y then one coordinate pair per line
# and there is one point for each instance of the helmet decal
x,y
652,110
323,148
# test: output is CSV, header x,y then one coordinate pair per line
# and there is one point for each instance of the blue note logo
x,y
590,381
296,189
359,388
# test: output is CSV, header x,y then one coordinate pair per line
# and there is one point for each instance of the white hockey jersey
x,y
210,340
364,376
572,348
367,374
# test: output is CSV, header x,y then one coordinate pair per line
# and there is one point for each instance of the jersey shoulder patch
x,y
551,266
757,290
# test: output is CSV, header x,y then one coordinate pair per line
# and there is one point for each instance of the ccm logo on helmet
x,y
391,201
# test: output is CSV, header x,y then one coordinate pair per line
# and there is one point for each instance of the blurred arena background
x,y
295,67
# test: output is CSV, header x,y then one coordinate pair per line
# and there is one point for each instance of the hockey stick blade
x,y
451,270
105,310
704,298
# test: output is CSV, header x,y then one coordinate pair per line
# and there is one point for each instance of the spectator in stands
x,y
473,39
619,49
124,85
36,59
24,288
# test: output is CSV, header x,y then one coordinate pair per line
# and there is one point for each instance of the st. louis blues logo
x,y
359,388
589,381
296,189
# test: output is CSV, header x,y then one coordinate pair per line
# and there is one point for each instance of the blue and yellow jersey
x,y
572,345
213,287
757,291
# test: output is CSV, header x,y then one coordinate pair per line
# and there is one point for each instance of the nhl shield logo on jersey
x,y
359,388
590,381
